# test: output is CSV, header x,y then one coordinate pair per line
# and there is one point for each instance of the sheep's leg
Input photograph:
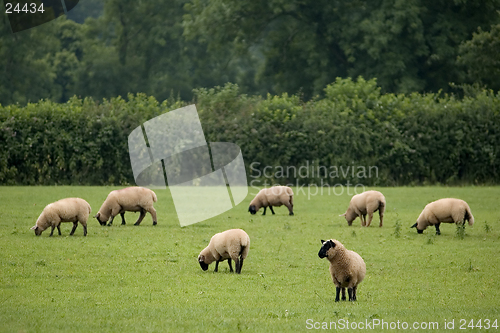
x,y
343,294
141,217
337,294
152,211
111,221
238,264
231,266
370,218
438,232
75,224
59,229
349,291
381,215
241,265
122,214
52,231
216,266
84,229
354,291
271,208
264,211
363,220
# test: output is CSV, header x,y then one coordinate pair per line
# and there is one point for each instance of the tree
x,y
481,57
406,45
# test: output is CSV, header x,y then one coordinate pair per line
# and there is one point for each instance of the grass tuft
x,y
460,231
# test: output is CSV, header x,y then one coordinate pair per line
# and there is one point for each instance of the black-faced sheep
x,y
365,203
273,196
231,244
446,210
130,199
65,210
346,267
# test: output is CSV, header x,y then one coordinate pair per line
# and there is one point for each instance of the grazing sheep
x,y
273,196
365,203
65,210
230,244
447,210
346,267
130,199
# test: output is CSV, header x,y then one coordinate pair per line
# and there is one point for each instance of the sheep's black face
x,y
252,210
37,230
99,220
324,249
418,230
203,265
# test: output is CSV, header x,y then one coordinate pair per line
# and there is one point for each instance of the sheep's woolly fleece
x,y
130,199
347,268
233,244
65,210
275,196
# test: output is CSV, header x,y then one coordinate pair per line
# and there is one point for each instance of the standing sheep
x,y
365,203
273,196
231,244
130,199
346,267
447,210
65,210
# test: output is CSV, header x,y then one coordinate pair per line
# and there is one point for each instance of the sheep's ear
x,y
201,259
33,227
342,214
322,242
332,242
414,226
97,215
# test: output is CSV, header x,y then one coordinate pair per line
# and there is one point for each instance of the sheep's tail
x,y
381,207
468,216
153,194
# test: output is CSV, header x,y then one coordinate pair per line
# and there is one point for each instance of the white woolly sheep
x,y
65,210
346,267
130,199
273,196
365,203
446,210
231,244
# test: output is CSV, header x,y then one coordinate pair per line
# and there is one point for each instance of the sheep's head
x,y
98,218
350,216
38,230
201,261
252,209
327,248
418,230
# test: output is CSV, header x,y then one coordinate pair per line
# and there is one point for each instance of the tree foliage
x,y
168,48
407,45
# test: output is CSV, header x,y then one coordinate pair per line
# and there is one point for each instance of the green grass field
x,y
147,279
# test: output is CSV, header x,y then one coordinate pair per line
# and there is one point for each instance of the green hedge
x,y
405,139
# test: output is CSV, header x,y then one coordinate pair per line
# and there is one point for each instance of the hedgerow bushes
x,y
407,139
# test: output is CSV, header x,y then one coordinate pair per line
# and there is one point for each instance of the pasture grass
x,y
147,279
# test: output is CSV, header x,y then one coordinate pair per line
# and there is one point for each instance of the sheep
x,y
447,210
65,210
231,244
365,203
130,199
346,267
273,196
